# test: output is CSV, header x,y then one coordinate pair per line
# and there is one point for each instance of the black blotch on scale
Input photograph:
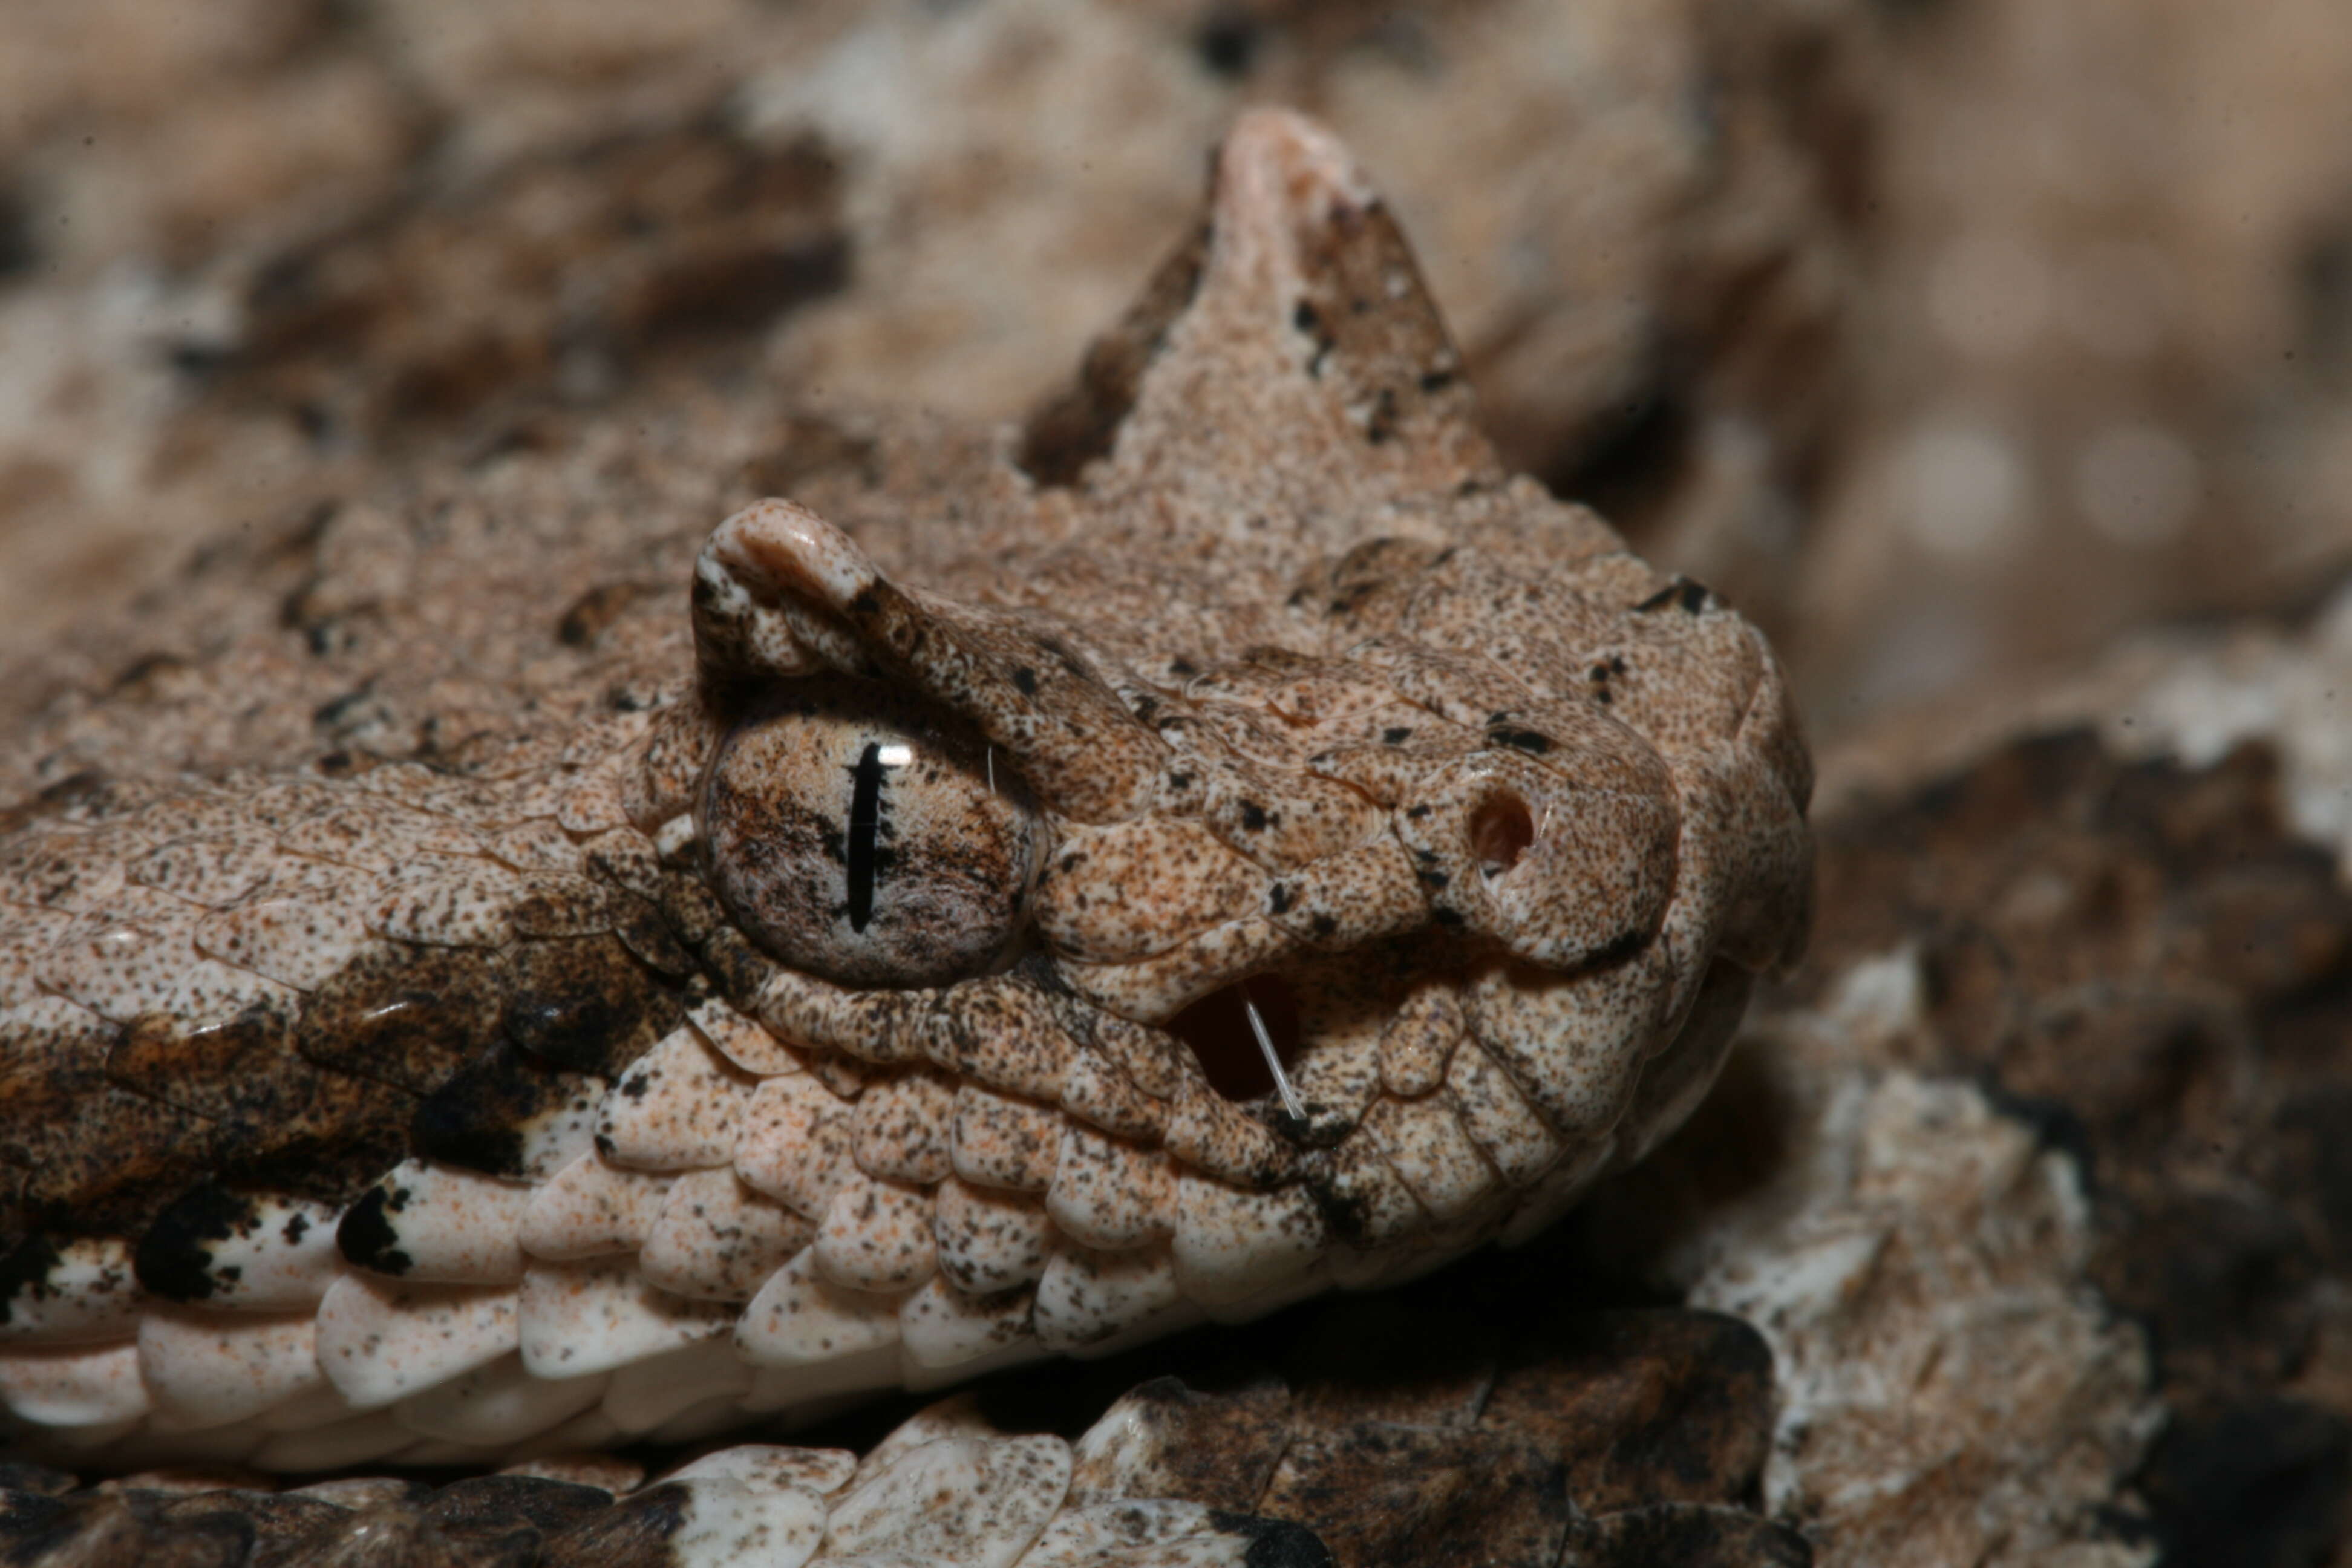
x,y
24,1271
366,1237
173,1258
476,1121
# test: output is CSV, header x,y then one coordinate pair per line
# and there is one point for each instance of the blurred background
x,y
1951,339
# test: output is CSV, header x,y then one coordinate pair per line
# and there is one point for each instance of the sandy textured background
x,y
1951,337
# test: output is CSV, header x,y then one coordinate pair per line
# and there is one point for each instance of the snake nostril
x,y
1217,1030
1500,831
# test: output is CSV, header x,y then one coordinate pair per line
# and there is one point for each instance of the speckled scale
x,y
745,1041
1095,1090
883,1027
1345,900
590,1208
1343,1003
1108,1192
1000,1140
1004,1034
1233,1246
71,869
943,1329
380,1339
988,1500
214,872
241,1251
210,1368
1148,1058
439,1224
661,785
716,1239
875,1236
902,1127
989,1240
1367,1202
1210,1133
1156,989
303,942
678,1108
796,1143
1571,1044
1418,1039
1282,825
538,845
1302,691
451,794
405,1014
1147,885
801,1318
28,932
504,1113
1496,1118
578,1318
376,836
1089,1300
446,900
123,969
1424,1143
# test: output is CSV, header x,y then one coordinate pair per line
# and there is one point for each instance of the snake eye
x,y
866,838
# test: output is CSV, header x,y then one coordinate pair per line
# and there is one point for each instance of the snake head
x,y
1243,843
1339,852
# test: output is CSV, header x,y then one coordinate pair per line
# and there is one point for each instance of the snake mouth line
x,y
1240,1033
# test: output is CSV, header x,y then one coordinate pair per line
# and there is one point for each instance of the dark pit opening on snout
x,y
1217,1030
1500,832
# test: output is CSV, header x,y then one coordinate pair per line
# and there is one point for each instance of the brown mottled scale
x,y
1311,710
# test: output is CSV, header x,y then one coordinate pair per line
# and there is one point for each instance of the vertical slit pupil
x,y
865,830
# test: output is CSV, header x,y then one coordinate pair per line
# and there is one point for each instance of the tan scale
x,y
679,1107
716,1239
